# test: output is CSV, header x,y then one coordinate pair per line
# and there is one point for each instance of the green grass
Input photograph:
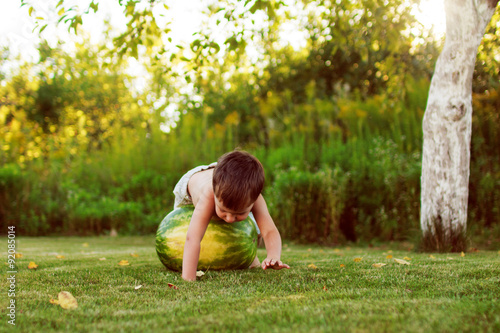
x,y
447,293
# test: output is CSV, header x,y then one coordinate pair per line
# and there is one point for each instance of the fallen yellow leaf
x,y
102,259
431,256
337,250
389,256
324,288
358,259
135,255
342,265
18,255
67,301
401,261
85,244
313,266
32,265
54,301
462,254
60,257
123,263
407,258
378,265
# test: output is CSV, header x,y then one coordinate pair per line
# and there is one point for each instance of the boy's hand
x,y
273,263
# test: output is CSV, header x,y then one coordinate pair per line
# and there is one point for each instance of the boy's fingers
x,y
271,263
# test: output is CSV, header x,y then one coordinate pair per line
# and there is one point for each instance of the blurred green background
x,y
336,122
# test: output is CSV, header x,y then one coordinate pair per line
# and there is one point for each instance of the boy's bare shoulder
x,y
200,185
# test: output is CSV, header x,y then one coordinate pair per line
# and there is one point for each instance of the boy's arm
x,y
270,234
197,227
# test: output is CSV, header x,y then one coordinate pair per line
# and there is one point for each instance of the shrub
x,y
307,205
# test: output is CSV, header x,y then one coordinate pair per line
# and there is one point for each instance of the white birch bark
x,y
448,117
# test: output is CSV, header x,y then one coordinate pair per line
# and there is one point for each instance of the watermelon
x,y
224,245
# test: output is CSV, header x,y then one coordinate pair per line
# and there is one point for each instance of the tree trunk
x,y
447,127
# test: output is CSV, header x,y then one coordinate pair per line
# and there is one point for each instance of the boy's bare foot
x,y
255,263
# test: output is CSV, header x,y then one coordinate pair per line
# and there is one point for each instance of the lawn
x,y
326,290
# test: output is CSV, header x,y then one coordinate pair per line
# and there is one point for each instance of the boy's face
x,y
229,215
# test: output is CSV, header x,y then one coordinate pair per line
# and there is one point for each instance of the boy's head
x,y
238,180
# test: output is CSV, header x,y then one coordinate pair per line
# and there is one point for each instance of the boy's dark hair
x,y
238,179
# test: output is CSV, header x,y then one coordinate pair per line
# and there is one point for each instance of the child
x,y
230,189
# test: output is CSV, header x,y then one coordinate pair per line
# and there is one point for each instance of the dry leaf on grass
x,y
378,265
67,301
431,256
389,256
18,255
32,265
401,261
357,259
123,263
199,274
462,254
138,287
60,257
407,258
342,265
173,286
135,255
313,266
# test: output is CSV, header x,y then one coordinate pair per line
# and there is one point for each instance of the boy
x,y
230,189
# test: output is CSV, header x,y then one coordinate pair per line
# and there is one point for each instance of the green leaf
x,y
43,28
256,6
215,46
134,52
62,18
94,6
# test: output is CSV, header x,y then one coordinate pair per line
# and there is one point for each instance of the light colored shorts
x,y
182,196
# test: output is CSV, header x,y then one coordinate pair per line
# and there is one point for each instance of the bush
x,y
11,186
307,205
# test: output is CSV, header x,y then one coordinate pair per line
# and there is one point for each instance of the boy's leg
x,y
256,262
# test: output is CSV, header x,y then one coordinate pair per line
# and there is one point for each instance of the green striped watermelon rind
x,y
224,246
